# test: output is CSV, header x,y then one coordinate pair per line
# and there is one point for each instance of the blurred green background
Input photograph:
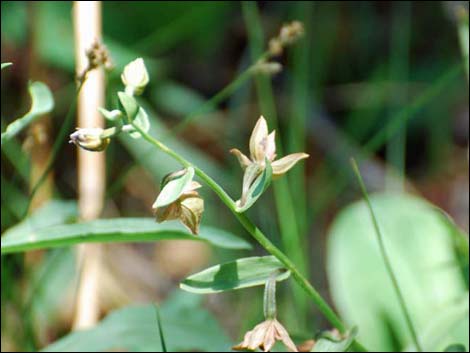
x,y
384,82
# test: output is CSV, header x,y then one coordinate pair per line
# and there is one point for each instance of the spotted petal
x,y
258,140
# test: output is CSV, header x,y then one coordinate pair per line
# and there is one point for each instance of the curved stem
x,y
322,305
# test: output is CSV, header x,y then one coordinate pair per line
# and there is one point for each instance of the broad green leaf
x,y
53,213
456,348
142,121
421,248
327,342
42,103
448,326
258,187
4,65
113,230
187,327
174,188
130,105
241,273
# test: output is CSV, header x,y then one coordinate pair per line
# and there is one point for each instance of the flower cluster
x,y
135,79
187,205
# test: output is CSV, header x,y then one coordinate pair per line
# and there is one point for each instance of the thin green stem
x,y
57,145
258,235
386,258
212,102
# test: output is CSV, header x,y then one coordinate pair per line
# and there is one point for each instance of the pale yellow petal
x,y
282,165
242,159
259,134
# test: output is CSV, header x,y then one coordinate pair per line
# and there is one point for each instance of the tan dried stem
x,y
91,166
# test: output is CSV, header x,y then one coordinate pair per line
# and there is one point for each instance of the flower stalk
x,y
256,233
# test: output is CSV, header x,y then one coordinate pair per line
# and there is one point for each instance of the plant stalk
x,y
258,235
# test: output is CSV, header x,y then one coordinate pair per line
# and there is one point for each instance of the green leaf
x,y
327,342
174,188
241,273
42,103
113,115
456,348
113,230
449,325
258,187
421,248
142,121
53,213
4,65
188,327
130,105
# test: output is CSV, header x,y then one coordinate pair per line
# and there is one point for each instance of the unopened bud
x,y
135,77
90,139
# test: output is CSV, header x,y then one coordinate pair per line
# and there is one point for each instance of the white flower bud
x,y
135,77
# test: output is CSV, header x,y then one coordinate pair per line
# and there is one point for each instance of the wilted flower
x,y
91,139
288,35
262,148
188,207
264,336
135,77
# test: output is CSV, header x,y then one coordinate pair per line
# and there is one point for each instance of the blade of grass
x,y
160,328
380,138
58,144
286,209
385,257
300,98
399,52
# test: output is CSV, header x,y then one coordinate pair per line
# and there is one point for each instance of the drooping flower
x,y
90,139
264,335
188,206
262,148
135,77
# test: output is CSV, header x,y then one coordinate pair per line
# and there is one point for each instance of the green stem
x,y
257,234
386,259
226,92
63,133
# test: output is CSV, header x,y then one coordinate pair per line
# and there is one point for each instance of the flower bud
x,y
90,139
135,77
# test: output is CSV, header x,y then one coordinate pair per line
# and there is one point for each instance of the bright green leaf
x,y
53,213
242,273
4,65
327,342
42,103
187,326
421,248
142,121
130,105
258,187
174,188
113,230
